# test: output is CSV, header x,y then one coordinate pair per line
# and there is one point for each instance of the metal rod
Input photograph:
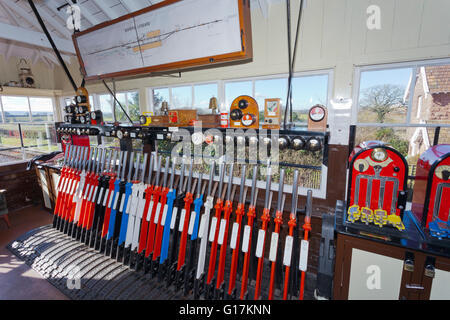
x,y
55,49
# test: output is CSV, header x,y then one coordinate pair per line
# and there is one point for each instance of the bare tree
x,y
382,100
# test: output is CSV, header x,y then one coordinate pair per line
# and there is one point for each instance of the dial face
x,y
248,120
79,131
379,154
143,119
317,113
119,134
197,138
82,119
93,115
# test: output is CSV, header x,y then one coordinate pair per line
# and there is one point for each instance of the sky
x,y
398,77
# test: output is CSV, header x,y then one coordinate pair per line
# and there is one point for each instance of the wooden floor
x,y
18,281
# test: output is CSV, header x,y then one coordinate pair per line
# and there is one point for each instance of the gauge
x,y
197,138
143,119
119,134
317,113
243,104
236,114
379,154
248,119
93,115
83,119
81,99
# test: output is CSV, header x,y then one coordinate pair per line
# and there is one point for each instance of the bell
x,y
213,105
298,143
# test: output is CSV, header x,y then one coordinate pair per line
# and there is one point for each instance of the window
x,y
41,110
181,97
236,89
382,95
202,95
308,91
16,109
160,95
105,101
402,105
195,96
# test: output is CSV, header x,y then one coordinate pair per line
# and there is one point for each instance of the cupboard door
x,y
374,276
441,281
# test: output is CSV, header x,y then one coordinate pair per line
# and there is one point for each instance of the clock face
x,y
248,120
317,113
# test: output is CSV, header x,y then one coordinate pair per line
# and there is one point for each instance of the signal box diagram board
x,y
170,35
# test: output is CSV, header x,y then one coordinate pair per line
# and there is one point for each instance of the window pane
x,y
202,94
42,109
433,106
159,95
270,89
383,96
134,110
39,138
120,115
106,107
181,98
308,91
9,138
16,109
236,89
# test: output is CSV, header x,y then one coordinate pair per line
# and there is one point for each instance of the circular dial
x,y
248,119
143,119
243,104
93,115
379,154
119,134
81,99
317,113
83,119
236,114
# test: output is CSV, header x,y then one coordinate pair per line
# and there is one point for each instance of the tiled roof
x,y
438,78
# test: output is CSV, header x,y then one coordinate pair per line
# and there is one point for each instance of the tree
x,y
383,100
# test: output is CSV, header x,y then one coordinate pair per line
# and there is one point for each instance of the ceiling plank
x,y
52,5
33,20
106,9
131,5
34,38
